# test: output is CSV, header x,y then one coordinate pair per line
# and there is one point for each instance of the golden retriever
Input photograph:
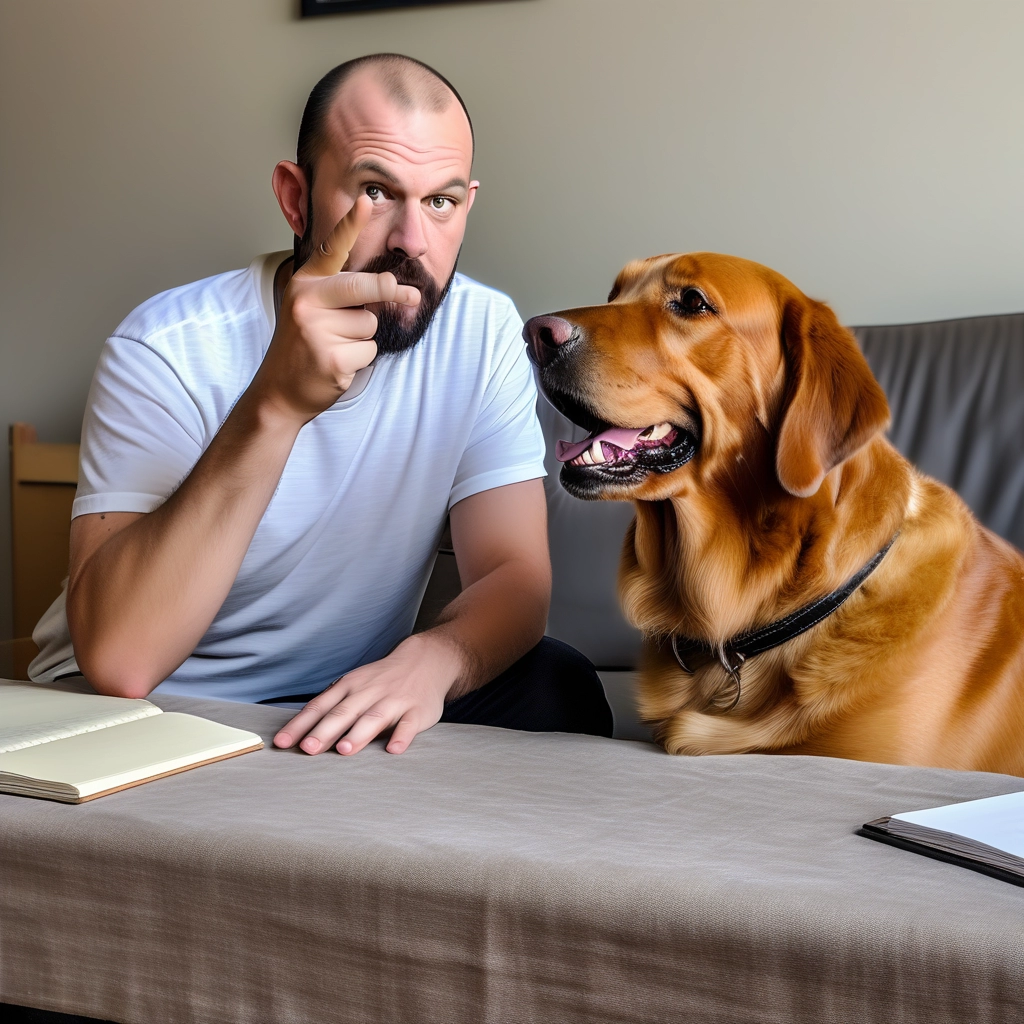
x,y
745,425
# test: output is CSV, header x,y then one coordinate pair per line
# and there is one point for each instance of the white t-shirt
x,y
335,572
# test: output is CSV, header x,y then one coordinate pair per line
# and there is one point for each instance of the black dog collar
x,y
692,654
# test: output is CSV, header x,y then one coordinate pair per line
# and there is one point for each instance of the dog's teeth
x,y
588,459
660,431
597,453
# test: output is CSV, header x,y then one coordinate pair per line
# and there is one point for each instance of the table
x,y
494,876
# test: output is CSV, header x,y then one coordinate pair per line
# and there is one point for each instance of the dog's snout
x,y
544,335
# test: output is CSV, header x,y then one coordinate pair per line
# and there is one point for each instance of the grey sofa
x,y
496,877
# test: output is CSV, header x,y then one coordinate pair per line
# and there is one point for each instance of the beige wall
x,y
872,150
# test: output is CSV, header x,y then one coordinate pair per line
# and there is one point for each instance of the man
x,y
268,457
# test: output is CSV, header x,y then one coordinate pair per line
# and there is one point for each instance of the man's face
x,y
414,164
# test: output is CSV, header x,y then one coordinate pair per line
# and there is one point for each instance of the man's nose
x,y
544,335
407,233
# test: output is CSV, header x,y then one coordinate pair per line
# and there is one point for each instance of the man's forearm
x,y
140,602
144,591
494,622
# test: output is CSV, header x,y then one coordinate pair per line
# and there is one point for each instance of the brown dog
x,y
744,423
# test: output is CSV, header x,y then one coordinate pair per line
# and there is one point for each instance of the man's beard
x,y
393,333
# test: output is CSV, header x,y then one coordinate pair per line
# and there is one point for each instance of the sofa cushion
x,y
585,539
956,389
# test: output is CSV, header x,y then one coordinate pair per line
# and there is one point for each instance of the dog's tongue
x,y
566,451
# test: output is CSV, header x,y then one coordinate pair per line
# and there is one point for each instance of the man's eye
x,y
440,202
374,192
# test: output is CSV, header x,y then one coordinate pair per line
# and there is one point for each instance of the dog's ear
x,y
832,405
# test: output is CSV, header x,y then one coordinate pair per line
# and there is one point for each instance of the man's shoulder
x,y
469,297
222,301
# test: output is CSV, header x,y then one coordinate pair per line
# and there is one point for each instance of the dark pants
x,y
24,1015
552,688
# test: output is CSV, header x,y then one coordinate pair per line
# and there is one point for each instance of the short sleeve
x,y
142,432
506,445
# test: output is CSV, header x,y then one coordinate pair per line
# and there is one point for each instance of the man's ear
x,y
291,188
832,404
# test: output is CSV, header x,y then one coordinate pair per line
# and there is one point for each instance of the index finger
x,y
299,726
332,253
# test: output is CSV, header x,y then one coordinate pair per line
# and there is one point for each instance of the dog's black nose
x,y
543,336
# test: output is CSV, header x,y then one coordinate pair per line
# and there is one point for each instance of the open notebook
x,y
76,746
986,835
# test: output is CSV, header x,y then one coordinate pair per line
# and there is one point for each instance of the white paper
x,y
31,714
996,821
97,761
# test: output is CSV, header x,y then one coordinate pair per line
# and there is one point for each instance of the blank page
x,y
109,758
32,714
996,821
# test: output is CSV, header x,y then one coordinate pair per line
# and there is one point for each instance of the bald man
x,y
269,456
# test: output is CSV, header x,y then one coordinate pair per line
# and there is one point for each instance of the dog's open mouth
x,y
616,457
616,445
623,456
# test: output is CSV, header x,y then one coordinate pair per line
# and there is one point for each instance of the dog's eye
x,y
691,302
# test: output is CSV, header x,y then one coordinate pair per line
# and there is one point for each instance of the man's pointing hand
x,y
323,334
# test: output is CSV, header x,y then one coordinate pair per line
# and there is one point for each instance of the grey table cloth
x,y
494,876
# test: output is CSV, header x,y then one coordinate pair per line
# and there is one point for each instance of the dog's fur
x,y
793,489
